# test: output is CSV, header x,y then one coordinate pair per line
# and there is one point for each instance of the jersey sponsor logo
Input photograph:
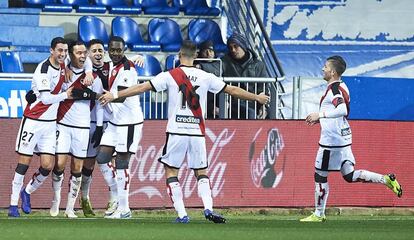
x,y
346,131
187,119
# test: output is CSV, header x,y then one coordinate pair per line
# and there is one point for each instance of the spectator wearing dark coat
x,y
241,61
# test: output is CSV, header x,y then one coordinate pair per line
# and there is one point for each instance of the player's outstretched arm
x,y
245,95
131,91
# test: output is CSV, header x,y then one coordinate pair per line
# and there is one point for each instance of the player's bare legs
x,y
204,192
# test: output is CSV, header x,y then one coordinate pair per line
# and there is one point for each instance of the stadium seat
x,y
151,66
10,62
118,6
196,7
37,3
128,29
157,7
61,6
200,30
171,62
90,27
5,44
166,32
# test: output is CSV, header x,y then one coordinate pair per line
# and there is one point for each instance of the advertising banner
x,y
251,164
12,97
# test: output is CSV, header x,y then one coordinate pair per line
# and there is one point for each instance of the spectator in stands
x,y
206,51
241,61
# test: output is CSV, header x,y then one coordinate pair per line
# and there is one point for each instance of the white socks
x,y
109,174
176,194
367,176
74,186
85,186
37,180
204,192
16,187
123,180
321,197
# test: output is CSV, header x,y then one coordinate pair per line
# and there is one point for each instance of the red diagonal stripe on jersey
x,y
67,104
180,78
36,111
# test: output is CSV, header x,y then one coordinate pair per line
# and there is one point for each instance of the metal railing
x,y
243,16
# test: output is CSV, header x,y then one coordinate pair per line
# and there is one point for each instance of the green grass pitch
x,y
252,226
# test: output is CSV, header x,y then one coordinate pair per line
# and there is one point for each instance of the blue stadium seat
x,y
157,7
170,60
118,6
61,6
166,32
90,27
5,44
200,30
37,3
151,66
128,29
196,7
10,62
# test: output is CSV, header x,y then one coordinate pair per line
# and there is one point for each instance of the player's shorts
x,y
177,146
36,136
331,159
123,138
72,140
93,151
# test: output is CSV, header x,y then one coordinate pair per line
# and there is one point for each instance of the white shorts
x,y
177,146
93,151
72,140
122,138
36,136
331,159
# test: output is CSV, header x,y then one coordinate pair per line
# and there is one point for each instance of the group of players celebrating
x,y
84,110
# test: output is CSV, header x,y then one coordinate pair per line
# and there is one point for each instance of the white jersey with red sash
x,y
77,113
128,112
186,86
45,78
335,132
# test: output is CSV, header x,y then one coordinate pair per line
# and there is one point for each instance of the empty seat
x,y
171,62
10,62
37,3
61,5
151,66
128,29
5,44
166,32
90,27
157,7
196,7
118,6
200,30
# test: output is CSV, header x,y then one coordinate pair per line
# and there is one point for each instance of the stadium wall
x,y
252,163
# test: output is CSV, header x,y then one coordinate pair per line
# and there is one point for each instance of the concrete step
x,y
29,36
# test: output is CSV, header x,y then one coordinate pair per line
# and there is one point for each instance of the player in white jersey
x,y
187,88
73,121
124,130
37,131
335,152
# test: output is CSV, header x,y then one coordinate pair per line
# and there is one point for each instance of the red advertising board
x,y
251,163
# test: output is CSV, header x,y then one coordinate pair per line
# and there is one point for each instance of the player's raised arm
x,y
131,91
245,95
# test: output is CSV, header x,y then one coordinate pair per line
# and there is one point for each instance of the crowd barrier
x,y
267,163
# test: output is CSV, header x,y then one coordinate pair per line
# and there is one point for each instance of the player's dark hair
x,y
55,41
117,39
93,42
338,64
188,48
74,43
